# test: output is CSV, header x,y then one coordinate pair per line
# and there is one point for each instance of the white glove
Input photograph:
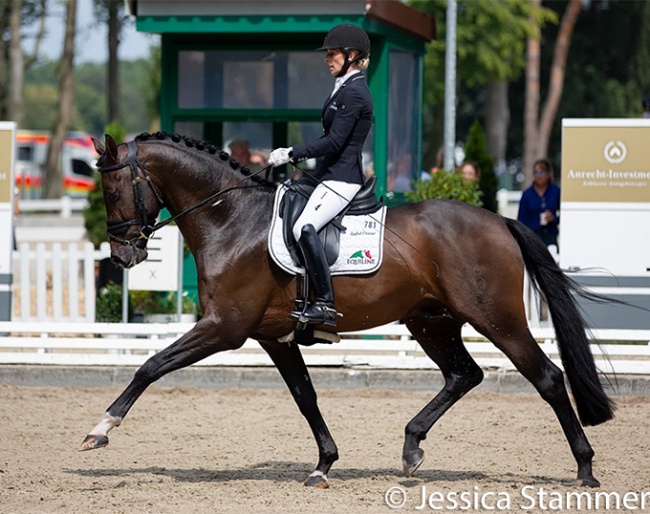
x,y
280,156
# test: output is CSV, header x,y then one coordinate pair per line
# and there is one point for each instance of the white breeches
x,y
328,199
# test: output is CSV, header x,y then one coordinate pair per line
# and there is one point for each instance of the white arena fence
x,y
387,347
61,330
55,282
63,207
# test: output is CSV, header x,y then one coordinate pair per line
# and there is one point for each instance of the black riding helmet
x,y
347,37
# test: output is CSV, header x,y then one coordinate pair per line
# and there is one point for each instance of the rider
x,y
347,119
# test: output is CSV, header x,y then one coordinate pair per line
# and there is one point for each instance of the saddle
x,y
294,201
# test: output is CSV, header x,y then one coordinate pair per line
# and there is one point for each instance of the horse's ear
x,y
111,150
99,146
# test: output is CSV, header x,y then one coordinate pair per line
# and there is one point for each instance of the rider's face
x,y
335,59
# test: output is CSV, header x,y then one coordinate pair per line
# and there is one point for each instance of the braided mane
x,y
203,146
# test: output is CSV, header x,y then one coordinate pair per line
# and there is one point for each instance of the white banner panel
x,y
7,155
605,209
160,271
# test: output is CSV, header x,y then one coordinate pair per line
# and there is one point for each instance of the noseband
x,y
142,219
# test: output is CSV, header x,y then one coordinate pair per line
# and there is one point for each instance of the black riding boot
x,y
322,311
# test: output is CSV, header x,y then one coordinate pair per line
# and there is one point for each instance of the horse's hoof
x,y
412,461
318,480
92,442
587,482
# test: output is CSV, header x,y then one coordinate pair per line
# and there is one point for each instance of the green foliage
x,y
490,41
90,109
95,214
156,302
116,130
476,150
606,77
447,185
108,307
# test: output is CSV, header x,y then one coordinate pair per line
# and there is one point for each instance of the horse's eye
x,y
112,196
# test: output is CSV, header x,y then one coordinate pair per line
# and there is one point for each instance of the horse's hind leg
x,y
442,342
548,380
290,364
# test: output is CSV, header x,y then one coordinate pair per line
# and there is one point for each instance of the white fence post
x,y
66,207
57,286
25,283
89,280
41,283
73,282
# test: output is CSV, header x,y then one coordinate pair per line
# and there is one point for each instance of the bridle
x,y
147,226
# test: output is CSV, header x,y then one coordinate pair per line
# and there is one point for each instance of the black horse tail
x,y
593,405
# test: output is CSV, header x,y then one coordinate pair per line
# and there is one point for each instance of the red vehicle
x,y
78,158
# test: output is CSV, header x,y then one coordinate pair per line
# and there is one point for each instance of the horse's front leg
x,y
200,342
288,359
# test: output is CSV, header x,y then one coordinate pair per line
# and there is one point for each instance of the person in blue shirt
x,y
539,207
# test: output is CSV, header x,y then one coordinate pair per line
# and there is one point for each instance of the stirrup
x,y
298,307
318,313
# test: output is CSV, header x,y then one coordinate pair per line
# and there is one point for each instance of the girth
x,y
294,201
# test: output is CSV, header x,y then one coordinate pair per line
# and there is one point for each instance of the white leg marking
x,y
319,474
107,423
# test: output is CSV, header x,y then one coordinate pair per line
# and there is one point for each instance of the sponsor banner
x,y
605,160
605,208
7,156
7,146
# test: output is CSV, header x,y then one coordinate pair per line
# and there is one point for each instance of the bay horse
x,y
445,264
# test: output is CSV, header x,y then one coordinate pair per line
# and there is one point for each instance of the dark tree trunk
x,y
497,120
531,104
113,68
17,66
53,172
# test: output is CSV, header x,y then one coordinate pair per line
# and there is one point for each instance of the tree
x,y
53,176
139,80
18,12
537,130
491,39
111,12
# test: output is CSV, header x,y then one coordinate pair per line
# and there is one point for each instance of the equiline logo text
x,y
361,257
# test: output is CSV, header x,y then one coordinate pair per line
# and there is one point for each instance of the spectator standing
x,y
539,207
471,171
240,151
258,160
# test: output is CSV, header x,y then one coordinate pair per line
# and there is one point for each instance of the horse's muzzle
x,y
128,256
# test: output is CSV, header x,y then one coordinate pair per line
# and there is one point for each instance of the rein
x,y
148,228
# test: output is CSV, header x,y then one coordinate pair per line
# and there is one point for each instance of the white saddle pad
x,y
360,249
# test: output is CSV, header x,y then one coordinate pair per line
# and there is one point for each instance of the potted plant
x,y
160,307
108,305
